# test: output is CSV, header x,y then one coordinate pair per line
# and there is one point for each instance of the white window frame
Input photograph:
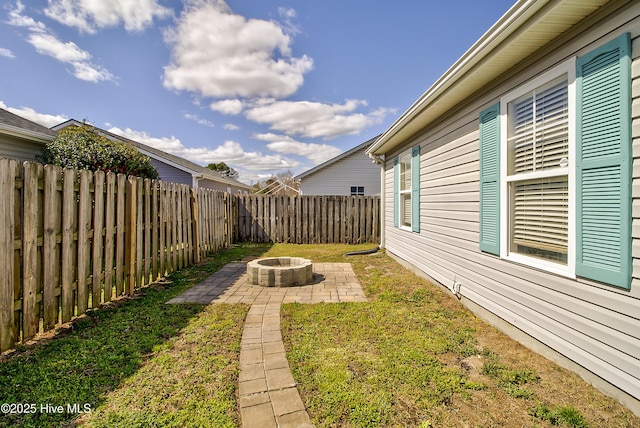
x,y
405,157
356,192
567,68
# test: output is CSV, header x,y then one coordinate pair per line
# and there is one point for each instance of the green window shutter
x,y
490,179
603,176
396,192
415,189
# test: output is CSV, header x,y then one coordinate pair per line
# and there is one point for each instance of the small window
x,y
405,190
357,190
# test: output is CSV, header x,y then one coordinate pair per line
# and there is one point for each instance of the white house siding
x,y
172,174
23,150
595,326
337,178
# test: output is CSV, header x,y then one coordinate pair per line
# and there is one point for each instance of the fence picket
x,y
98,243
84,225
68,265
147,231
120,232
7,222
109,234
30,249
50,248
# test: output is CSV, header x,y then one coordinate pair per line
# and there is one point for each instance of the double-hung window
x,y
555,169
406,190
537,137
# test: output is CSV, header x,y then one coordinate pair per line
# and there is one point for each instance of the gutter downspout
x,y
379,159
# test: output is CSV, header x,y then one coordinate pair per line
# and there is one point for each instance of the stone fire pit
x,y
280,271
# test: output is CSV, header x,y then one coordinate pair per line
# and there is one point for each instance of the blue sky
x,y
265,86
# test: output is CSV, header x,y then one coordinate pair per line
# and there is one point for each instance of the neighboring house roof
x,y
12,124
336,159
525,28
173,160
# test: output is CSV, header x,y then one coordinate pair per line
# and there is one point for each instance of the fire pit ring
x,y
280,271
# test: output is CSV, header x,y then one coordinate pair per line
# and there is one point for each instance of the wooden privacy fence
x,y
308,219
71,240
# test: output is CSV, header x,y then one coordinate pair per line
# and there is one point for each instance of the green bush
x,y
82,147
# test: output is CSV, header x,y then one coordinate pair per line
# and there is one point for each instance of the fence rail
x,y
72,240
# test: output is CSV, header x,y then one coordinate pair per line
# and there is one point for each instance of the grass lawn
x,y
414,356
411,356
136,363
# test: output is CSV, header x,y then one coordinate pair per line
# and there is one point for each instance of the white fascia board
x,y
25,133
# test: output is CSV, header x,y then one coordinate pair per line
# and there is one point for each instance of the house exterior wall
x,y
595,326
338,178
171,174
22,150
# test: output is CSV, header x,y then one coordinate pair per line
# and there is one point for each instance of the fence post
x,y
130,235
196,226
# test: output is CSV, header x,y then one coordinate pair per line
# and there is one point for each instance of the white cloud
x,y
46,43
313,119
6,53
228,106
18,20
199,120
284,144
230,152
47,120
90,15
288,14
218,54
231,127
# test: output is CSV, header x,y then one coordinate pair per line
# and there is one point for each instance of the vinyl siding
x,y
172,174
356,169
22,150
594,325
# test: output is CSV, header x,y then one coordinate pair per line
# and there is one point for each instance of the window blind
x,y
539,131
540,214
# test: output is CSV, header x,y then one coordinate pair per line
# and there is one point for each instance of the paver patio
x,y
268,396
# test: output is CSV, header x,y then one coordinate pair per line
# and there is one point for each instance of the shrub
x,y
82,147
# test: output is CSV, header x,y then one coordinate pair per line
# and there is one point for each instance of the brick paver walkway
x,y
267,390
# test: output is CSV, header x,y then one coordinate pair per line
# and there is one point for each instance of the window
x,y
405,191
555,169
406,213
536,143
357,190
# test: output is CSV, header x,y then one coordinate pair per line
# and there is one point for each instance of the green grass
x,y
137,363
563,415
401,359
410,356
